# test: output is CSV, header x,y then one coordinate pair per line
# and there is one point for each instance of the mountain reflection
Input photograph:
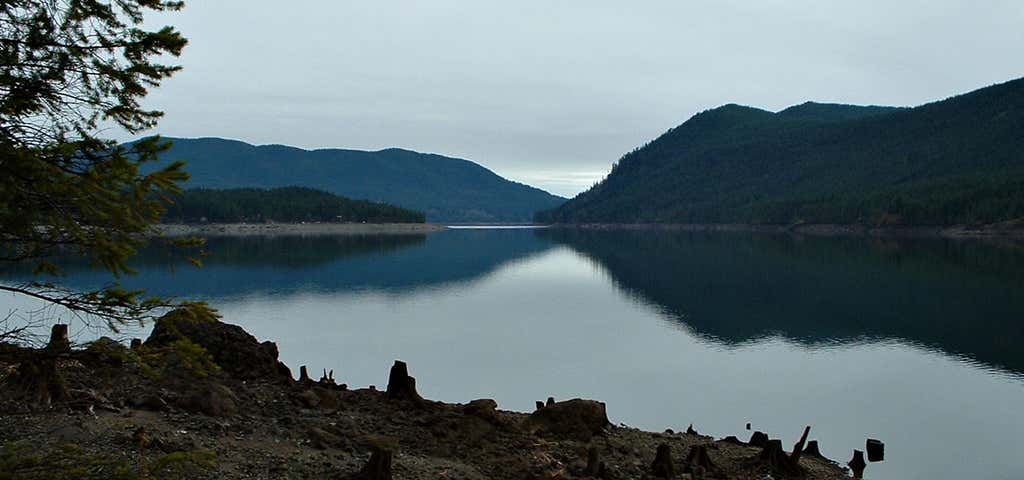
x,y
963,297
276,265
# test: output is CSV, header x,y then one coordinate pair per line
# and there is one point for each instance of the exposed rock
x,y
148,401
211,399
577,419
732,439
484,408
400,385
662,466
691,431
232,348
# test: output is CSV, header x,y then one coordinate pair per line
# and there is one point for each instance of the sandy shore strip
x,y
268,229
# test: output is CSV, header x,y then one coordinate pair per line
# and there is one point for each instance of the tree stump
x,y
595,467
38,383
551,401
59,342
876,450
662,466
378,467
812,449
400,385
698,457
758,439
691,431
540,404
775,459
304,376
857,464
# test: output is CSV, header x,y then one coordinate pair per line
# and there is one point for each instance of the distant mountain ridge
x,y
959,160
446,189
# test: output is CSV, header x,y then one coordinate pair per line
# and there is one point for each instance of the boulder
x,y
575,419
211,399
232,348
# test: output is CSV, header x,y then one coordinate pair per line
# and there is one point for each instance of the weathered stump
x,y
378,467
59,342
691,431
876,450
662,466
857,464
400,385
758,439
595,467
304,375
38,383
551,401
540,404
812,449
775,459
698,458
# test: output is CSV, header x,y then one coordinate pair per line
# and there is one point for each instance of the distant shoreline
x,y
1002,230
267,229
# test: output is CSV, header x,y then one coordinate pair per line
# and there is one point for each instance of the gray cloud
x,y
552,92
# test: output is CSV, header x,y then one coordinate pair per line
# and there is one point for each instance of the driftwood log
x,y
400,385
798,448
662,466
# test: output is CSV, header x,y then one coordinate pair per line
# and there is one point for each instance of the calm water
x,y
915,342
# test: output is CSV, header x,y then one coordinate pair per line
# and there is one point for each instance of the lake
x,y
916,342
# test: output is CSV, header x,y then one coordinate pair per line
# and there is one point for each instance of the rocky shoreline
x,y
204,399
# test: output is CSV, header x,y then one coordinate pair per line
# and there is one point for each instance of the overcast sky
x,y
552,92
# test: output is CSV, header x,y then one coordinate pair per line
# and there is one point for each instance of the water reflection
x,y
965,298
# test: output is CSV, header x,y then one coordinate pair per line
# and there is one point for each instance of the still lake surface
x,y
914,342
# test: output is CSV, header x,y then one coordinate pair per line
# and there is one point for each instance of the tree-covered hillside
x,y
288,204
960,160
445,189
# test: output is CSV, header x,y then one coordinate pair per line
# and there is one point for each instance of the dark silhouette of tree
x,y
69,69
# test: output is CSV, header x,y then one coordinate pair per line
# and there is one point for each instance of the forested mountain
x,y
288,204
959,160
445,189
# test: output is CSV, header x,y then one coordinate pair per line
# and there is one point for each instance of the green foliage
x,y
958,161
289,204
66,67
445,189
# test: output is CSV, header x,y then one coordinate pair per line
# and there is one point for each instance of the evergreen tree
x,y
68,69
